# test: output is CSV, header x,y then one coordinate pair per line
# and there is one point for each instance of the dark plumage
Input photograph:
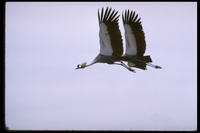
x,y
135,42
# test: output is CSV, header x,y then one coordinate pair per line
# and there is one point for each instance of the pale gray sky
x,y
46,41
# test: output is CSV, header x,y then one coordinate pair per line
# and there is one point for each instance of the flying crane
x,y
111,45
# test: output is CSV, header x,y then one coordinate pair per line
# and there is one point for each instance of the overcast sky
x,y
46,41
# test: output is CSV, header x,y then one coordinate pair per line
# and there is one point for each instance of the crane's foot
x,y
158,67
132,70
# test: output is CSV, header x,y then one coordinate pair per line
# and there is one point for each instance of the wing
x,y
134,35
109,33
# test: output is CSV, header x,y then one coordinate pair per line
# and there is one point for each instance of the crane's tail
x,y
146,58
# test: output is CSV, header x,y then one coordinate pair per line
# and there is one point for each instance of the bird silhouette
x,y
111,46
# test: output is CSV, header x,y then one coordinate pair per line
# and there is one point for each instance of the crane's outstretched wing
x,y
109,33
134,35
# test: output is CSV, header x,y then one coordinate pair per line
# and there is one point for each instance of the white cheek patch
x,y
83,64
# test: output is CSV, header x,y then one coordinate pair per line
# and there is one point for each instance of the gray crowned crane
x,y
135,42
111,46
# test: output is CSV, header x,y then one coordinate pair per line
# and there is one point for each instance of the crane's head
x,y
81,66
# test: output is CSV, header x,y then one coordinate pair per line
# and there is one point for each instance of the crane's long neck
x,y
90,64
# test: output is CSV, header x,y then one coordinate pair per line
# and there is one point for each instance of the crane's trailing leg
x,y
124,65
154,66
132,70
